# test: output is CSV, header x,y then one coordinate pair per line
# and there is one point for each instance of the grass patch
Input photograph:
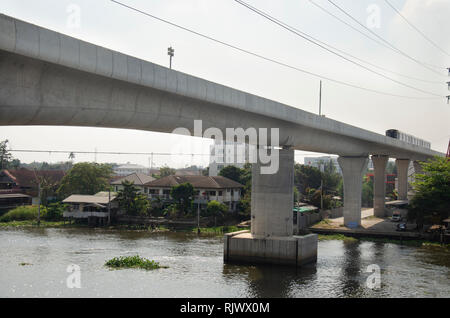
x,y
133,262
415,243
23,213
337,237
325,222
43,224
220,229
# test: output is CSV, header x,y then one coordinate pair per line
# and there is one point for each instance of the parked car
x,y
401,227
396,217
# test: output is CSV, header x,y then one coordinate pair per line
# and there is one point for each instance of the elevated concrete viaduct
x,y
47,78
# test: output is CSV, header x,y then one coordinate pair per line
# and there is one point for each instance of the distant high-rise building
x,y
223,154
319,162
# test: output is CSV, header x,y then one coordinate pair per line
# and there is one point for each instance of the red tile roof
x,y
25,178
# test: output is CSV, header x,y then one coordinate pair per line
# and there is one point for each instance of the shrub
x,y
23,213
54,212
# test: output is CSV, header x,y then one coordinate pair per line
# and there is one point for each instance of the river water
x,y
196,268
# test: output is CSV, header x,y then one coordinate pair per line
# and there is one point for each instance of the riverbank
x,y
215,230
414,243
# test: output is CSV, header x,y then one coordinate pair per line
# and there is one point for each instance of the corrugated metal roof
x,y
13,195
94,199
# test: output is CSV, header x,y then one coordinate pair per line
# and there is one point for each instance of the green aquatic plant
x,y
133,262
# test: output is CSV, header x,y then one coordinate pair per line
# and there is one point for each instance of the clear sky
x,y
108,24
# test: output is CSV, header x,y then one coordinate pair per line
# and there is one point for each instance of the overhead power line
x,y
323,46
370,38
273,60
391,46
125,153
415,28
352,56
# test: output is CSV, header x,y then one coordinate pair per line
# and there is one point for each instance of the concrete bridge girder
x,y
303,130
40,93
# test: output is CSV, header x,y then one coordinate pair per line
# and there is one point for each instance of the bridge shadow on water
x,y
270,281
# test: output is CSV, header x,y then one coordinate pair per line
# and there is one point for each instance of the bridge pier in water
x,y
271,238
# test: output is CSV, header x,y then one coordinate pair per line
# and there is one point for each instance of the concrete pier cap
x,y
270,240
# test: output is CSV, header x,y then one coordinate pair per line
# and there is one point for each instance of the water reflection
x,y
266,281
196,267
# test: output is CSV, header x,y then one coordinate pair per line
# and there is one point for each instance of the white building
x,y
129,168
223,154
206,189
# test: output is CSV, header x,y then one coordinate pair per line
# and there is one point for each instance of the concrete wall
x,y
295,250
305,220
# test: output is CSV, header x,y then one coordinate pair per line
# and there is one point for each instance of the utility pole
x,y
171,53
320,99
321,194
109,205
198,217
39,198
39,204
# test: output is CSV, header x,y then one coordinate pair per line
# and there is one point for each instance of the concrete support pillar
x,y
270,240
402,178
352,170
273,198
379,184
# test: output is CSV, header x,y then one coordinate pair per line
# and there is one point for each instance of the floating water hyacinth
x,y
133,262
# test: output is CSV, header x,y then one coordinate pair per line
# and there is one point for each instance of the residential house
x,y
206,189
9,201
26,182
97,208
138,179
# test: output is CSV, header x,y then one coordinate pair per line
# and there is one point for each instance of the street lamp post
x,y
171,53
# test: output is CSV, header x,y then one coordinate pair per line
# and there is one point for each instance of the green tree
x,y
432,189
85,178
296,195
216,209
54,212
331,178
232,172
49,187
166,171
5,155
367,192
306,177
131,200
183,195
